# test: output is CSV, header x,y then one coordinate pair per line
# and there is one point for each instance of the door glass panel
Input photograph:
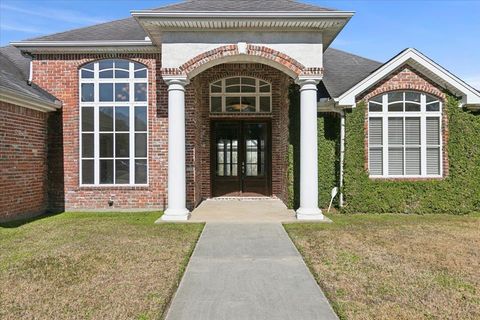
x,y
227,157
255,150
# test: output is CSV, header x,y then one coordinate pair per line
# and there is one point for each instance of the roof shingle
x,y
343,70
240,5
124,29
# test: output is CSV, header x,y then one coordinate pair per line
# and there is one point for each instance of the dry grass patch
x,y
92,266
395,266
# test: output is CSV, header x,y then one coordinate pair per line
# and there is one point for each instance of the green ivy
x,y
458,193
328,163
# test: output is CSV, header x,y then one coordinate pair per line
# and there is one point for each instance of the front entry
x,y
241,158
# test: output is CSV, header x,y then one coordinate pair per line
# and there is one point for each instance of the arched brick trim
x,y
276,56
408,78
277,59
404,78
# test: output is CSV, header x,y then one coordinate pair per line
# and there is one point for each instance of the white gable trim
x,y
438,74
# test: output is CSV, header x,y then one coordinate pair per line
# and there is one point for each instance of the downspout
x,y
342,113
30,74
342,155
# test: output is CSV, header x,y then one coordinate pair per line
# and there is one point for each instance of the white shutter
x,y
412,161
395,131
412,131
376,161
375,139
395,161
375,132
433,161
433,131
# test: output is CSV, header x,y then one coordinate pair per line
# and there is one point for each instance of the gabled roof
x,y
130,29
445,79
342,70
14,87
240,5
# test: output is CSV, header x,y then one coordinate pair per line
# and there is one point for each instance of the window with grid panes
x,y
404,135
114,123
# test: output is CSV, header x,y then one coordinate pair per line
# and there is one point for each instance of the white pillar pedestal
x,y
309,209
176,210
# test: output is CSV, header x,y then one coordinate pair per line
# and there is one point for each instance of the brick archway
x,y
242,53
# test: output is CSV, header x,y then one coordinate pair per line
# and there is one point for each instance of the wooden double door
x,y
241,158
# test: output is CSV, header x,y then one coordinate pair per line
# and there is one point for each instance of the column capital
x,y
180,80
308,82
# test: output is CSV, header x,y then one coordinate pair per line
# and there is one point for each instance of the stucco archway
x,y
242,53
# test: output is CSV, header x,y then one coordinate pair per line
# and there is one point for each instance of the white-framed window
x,y
113,123
240,95
405,135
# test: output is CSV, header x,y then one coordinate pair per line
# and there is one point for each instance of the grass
x,y
395,266
92,266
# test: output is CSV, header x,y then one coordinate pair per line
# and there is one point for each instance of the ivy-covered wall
x,y
328,164
459,193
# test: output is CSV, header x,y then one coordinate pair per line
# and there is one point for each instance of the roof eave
x,y
242,14
14,97
86,46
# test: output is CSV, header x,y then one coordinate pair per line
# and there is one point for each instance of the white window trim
x,y
257,94
96,104
423,115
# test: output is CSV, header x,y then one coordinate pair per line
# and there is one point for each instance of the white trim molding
x,y
26,101
470,97
330,23
86,46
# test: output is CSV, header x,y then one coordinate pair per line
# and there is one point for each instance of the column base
x,y
314,214
175,215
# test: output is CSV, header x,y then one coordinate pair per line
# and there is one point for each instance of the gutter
x,y
13,97
64,47
107,43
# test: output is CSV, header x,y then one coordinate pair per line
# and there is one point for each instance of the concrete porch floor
x,y
242,211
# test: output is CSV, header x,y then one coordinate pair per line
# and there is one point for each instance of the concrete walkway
x,y
242,211
248,271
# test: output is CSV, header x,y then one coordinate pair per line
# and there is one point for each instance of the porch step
x,y
242,198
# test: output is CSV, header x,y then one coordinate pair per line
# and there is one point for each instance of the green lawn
x,y
395,266
92,266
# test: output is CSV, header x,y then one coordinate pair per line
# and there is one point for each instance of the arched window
x,y
404,135
240,95
113,123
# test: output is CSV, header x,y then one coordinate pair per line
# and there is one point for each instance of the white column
x,y
309,209
177,190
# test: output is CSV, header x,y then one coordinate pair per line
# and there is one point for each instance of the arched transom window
x,y
404,135
240,95
113,123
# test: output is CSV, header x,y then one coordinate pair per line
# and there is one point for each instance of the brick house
x,y
193,100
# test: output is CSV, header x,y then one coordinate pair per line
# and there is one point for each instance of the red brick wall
x,y
58,74
23,162
198,117
407,78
